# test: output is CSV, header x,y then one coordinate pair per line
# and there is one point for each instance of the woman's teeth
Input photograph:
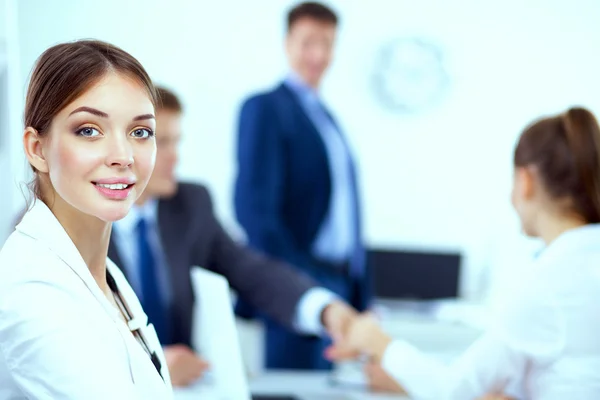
x,y
113,186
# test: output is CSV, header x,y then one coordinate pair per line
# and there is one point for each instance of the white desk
x,y
304,385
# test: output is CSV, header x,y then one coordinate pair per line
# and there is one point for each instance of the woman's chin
x,y
115,213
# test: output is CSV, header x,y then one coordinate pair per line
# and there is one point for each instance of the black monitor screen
x,y
414,275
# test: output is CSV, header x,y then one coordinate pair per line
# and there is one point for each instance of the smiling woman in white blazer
x,y
70,325
546,343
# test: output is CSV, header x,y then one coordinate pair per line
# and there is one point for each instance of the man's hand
x,y
337,318
380,381
364,336
184,365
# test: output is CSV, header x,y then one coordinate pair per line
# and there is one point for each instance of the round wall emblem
x,y
410,75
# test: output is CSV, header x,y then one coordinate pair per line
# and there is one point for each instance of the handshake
x,y
353,334
357,335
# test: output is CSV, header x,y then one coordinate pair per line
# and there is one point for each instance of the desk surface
x,y
304,385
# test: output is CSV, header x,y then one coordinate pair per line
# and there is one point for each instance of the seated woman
x,y
547,341
70,325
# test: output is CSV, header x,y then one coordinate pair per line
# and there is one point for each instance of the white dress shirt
x,y
336,239
545,344
60,337
309,308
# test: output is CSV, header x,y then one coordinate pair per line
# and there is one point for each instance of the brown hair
x,y
566,151
313,10
168,100
65,71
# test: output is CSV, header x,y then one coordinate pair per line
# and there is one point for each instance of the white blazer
x,y
60,337
544,346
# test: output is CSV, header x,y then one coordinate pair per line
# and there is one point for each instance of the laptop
x,y
219,343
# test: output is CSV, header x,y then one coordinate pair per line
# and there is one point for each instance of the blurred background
x,y
432,96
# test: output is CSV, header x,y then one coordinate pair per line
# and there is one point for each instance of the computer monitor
x,y
414,275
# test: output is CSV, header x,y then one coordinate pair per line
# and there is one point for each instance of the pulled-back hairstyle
x,y
65,71
566,151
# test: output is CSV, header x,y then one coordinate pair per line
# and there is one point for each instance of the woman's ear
x,y
32,143
525,184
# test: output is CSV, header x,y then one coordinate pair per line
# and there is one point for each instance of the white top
x,y
545,344
60,337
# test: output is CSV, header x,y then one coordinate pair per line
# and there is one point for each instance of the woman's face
x,y
100,150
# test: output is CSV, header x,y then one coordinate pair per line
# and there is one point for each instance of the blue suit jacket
x,y
283,185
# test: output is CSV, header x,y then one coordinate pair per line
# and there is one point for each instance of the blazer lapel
x,y
293,98
170,220
41,224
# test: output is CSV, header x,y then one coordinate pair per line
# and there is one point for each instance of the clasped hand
x,y
353,334
357,335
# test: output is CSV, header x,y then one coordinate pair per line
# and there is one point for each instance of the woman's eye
x,y
142,133
88,132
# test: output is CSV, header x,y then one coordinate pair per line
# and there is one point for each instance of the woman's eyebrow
x,y
143,117
102,114
90,110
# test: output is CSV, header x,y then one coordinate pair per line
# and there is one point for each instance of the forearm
x,y
489,366
274,288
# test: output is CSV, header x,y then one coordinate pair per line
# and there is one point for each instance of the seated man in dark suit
x,y
172,228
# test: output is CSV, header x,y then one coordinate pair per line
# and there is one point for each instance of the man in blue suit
x,y
296,192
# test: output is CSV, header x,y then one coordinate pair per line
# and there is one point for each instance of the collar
x,y
301,88
40,224
581,238
148,211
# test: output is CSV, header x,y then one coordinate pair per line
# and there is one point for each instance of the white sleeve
x,y
309,309
487,366
56,348
529,330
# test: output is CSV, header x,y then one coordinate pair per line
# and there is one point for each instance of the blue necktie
x,y
152,300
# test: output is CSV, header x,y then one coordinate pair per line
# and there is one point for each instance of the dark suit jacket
x,y
283,187
191,235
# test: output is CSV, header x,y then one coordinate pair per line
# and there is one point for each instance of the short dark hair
x,y
167,100
313,10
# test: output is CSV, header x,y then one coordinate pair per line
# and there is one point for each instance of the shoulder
x,y
192,200
34,281
33,278
193,193
265,100
25,259
39,295
47,321
532,320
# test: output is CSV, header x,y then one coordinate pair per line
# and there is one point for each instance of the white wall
x,y
11,108
440,179
4,158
